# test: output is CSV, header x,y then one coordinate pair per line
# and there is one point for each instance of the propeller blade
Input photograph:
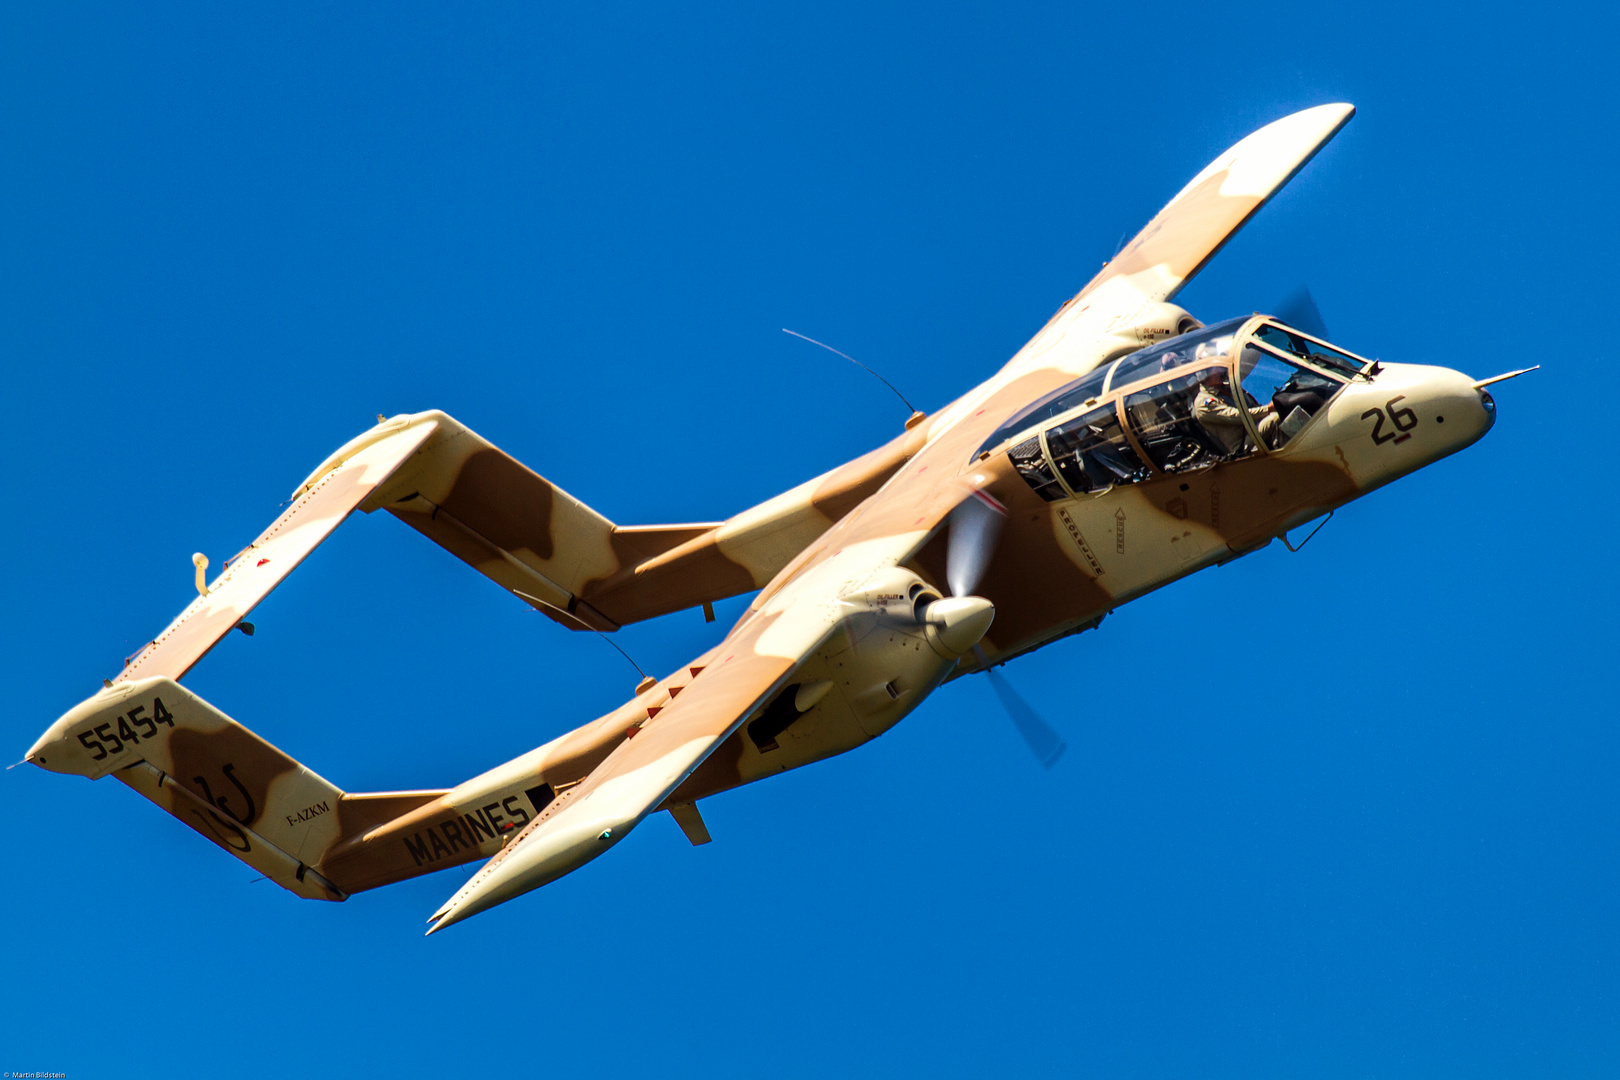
x,y
1046,743
1300,311
975,525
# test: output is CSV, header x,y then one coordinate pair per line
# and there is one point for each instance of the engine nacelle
x,y
899,641
1158,321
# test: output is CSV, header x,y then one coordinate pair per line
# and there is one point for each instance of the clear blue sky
x,y
233,234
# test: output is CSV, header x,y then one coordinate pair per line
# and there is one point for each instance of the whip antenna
x,y
646,679
857,363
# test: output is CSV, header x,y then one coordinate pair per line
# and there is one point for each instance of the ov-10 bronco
x,y
1125,446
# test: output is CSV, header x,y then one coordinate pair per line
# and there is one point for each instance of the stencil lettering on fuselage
x,y
468,829
1078,540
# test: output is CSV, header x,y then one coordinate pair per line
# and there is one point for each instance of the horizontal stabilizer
x,y
517,528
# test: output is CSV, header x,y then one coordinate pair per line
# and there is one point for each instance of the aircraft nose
x,y
1462,411
1460,400
1403,417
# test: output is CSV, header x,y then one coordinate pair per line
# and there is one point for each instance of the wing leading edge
x,y
1192,227
1216,203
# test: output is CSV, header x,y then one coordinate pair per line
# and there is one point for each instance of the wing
x,y
1187,233
800,608
785,626
1214,205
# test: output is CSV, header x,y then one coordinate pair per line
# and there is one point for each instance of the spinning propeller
x,y
975,527
1299,310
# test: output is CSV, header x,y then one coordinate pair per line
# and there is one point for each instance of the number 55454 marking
x,y
1403,419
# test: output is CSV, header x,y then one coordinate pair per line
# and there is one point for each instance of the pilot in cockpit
x,y
1220,416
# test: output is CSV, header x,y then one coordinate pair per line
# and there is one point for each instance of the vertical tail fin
x,y
221,779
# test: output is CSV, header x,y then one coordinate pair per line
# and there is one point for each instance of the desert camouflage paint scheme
x,y
855,623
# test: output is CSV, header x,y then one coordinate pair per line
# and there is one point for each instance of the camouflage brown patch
x,y
504,502
230,768
683,578
852,484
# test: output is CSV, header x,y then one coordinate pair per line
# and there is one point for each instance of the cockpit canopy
x,y
1172,407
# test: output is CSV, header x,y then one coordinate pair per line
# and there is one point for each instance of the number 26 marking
x,y
1403,419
